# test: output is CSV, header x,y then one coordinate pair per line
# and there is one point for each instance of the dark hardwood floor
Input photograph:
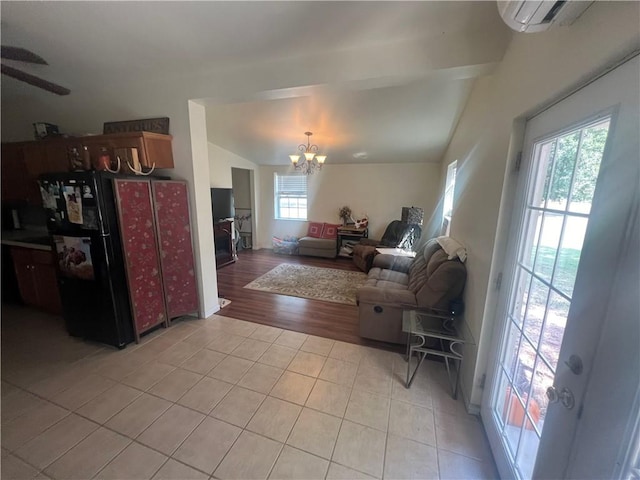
x,y
315,317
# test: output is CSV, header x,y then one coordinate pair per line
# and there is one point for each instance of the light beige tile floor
x,y
222,398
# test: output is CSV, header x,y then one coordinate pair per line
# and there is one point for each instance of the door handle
x,y
564,396
575,364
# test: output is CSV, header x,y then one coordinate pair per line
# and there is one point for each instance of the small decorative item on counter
x,y
118,165
129,156
86,158
362,222
345,214
43,130
104,160
75,160
155,125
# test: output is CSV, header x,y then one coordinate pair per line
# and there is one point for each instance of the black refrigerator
x,y
82,219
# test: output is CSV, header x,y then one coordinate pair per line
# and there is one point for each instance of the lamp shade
x,y
412,215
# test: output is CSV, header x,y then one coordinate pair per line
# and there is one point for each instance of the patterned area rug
x,y
328,284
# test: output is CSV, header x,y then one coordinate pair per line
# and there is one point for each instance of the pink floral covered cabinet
x,y
176,250
156,241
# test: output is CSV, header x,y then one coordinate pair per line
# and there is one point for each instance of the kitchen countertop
x,y
37,239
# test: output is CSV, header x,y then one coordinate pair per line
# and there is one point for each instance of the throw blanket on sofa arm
x,y
452,248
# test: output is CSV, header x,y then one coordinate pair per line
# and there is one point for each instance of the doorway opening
x,y
244,219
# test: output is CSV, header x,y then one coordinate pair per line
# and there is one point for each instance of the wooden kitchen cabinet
x,y
153,148
36,275
57,156
23,266
14,173
23,162
46,281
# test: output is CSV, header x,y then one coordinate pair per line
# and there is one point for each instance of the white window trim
x,y
449,196
301,194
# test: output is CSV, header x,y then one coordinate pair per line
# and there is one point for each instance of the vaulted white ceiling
x,y
391,77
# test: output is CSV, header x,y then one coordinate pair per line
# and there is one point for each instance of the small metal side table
x,y
446,331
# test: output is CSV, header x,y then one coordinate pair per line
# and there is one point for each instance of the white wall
x,y
243,197
241,187
221,162
196,172
536,69
378,190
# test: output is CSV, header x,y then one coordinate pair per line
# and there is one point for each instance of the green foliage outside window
x,y
589,157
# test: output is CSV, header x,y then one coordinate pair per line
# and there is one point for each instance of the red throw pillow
x,y
330,231
315,230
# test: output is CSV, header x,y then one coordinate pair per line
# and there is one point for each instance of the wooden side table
x,y
349,233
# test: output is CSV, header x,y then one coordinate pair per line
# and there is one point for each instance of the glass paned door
x,y
564,170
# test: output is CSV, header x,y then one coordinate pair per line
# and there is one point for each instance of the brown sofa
x,y
428,281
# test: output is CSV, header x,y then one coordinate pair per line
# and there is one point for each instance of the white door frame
x,y
514,230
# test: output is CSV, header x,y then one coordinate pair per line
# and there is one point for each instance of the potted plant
x,y
345,214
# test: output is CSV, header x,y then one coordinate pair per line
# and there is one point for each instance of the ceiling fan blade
x,y
33,80
21,55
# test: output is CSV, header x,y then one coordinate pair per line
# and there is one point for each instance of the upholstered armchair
x,y
397,235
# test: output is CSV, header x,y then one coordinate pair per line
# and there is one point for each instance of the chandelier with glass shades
x,y
311,161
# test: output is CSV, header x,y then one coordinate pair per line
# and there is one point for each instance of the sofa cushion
x,y
445,283
329,230
315,229
390,285
383,274
389,296
321,243
393,262
424,264
436,260
417,273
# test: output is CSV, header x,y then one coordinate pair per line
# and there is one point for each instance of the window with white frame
x,y
290,193
449,189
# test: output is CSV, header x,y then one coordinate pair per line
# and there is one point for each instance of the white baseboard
x,y
472,408
211,311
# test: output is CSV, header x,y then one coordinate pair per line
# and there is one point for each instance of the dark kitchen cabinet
x,y
223,241
57,156
154,149
23,162
24,268
36,275
14,173
35,161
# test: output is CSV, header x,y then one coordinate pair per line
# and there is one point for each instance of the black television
x,y
222,203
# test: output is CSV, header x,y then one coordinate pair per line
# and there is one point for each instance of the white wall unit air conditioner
x,y
539,15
